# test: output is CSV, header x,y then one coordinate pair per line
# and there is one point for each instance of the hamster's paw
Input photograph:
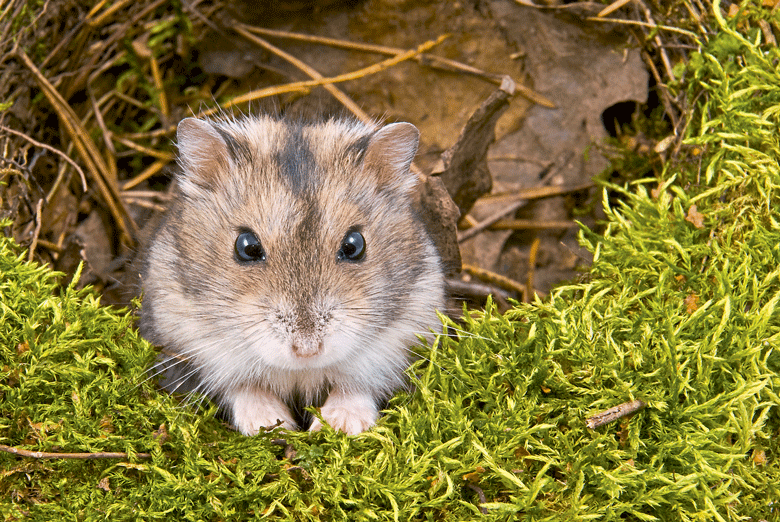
x,y
350,413
254,409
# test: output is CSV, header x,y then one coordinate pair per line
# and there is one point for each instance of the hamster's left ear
x,y
390,153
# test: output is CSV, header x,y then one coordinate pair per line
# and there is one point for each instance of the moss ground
x,y
679,310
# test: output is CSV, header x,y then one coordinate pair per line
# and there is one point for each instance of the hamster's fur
x,y
291,270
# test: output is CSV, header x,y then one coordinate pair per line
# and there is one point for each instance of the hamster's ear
x,y
203,153
390,153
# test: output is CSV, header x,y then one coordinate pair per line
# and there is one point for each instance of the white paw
x,y
350,413
255,409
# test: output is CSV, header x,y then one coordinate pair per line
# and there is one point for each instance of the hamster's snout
x,y
306,347
303,330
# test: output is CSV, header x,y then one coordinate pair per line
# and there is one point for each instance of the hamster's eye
x,y
248,248
353,247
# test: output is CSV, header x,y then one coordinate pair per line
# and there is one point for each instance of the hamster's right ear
x,y
203,153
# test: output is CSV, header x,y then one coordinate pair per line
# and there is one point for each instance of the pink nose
x,y
306,347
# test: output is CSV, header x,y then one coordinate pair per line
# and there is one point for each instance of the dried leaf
x,y
161,434
104,484
759,457
695,217
475,476
691,303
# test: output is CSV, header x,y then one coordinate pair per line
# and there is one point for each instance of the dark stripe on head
x,y
296,162
310,222
358,148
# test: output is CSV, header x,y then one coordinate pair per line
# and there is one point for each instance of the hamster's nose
x,y
306,347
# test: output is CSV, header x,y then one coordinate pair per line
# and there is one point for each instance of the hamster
x,y
291,270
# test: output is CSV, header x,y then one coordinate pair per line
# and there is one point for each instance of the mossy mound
x,y
680,310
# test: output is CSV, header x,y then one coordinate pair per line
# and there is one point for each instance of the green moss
x,y
680,310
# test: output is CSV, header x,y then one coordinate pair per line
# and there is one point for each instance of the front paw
x,y
254,409
350,413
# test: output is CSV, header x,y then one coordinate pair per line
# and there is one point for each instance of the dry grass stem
x,y
530,224
511,208
88,151
77,456
50,149
148,172
337,93
307,85
495,279
531,268
535,193
428,60
648,25
611,8
37,231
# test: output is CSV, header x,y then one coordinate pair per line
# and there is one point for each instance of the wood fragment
x,y
613,414
766,29
77,456
463,167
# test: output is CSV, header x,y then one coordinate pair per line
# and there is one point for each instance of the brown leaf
x,y
161,434
695,217
475,476
106,424
691,303
104,484
759,457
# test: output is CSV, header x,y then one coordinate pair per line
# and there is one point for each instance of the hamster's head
x,y
292,247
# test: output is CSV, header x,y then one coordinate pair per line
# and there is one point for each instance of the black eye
x,y
353,247
248,248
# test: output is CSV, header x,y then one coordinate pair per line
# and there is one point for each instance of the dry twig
x,y
77,456
50,149
493,278
531,269
613,414
337,93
